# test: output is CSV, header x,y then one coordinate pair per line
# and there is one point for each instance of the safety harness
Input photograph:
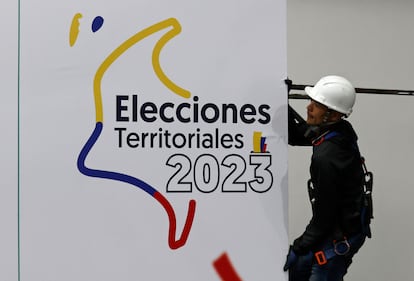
x,y
342,247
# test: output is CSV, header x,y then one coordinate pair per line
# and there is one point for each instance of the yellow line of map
x,y
155,60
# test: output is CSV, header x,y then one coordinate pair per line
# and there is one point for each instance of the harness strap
x,y
339,248
324,137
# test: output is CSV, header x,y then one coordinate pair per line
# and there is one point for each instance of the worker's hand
x,y
291,259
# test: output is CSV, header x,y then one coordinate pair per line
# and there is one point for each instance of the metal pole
x,y
300,87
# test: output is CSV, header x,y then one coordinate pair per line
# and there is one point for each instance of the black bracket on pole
x,y
300,87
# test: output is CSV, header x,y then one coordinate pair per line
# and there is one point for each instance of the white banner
x,y
9,144
153,140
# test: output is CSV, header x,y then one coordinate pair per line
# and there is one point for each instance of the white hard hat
x,y
335,92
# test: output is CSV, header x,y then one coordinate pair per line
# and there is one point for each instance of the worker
x,y
340,222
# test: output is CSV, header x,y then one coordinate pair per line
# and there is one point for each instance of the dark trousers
x,y
306,268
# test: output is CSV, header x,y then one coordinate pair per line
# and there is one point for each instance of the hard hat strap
x,y
326,116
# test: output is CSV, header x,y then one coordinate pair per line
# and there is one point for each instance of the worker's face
x,y
316,113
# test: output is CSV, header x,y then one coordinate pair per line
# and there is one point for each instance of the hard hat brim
x,y
310,92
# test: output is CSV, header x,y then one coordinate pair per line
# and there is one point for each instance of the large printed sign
x,y
8,147
152,140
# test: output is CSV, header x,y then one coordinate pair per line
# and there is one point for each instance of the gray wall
x,y
371,43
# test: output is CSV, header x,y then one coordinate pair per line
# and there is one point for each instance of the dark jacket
x,y
337,178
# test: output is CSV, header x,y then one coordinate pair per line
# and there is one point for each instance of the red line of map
x,y
225,268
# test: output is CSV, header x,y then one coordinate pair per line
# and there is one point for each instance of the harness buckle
x,y
342,247
320,258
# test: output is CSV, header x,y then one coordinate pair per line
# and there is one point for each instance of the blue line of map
x,y
106,174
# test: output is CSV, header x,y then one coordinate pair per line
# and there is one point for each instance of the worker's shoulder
x,y
327,151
